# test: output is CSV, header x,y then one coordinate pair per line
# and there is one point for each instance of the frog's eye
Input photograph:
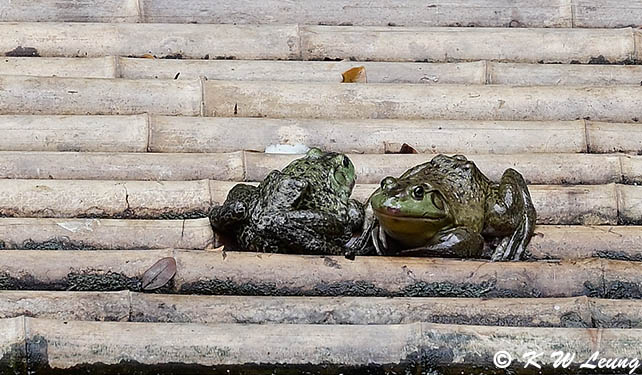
x,y
437,200
346,162
388,183
418,192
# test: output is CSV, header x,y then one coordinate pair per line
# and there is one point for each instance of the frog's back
x,y
317,174
463,184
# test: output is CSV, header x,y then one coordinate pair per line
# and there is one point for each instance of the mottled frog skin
x,y
447,208
303,209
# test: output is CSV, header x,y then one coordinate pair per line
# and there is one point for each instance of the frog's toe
x,y
511,248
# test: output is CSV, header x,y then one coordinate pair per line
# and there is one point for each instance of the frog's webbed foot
x,y
459,242
519,211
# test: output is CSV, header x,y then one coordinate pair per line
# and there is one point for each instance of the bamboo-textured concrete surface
x,y
541,13
475,72
388,101
580,204
549,241
537,168
44,345
317,42
241,273
91,234
177,134
66,95
171,308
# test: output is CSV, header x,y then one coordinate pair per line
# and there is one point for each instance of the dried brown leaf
x,y
159,274
355,75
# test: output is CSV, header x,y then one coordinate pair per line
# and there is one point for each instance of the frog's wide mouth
x,y
397,214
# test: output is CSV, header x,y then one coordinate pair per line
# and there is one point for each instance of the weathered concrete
x,y
396,101
586,205
108,234
554,312
238,273
251,274
198,134
572,242
541,13
161,40
99,306
632,169
302,71
615,313
614,137
98,67
52,346
130,199
122,166
166,308
79,96
606,13
74,133
64,11
461,44
537,168
13,348
630,204
563,74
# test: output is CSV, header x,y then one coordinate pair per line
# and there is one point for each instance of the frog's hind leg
x,y
511,213
309,232
457,242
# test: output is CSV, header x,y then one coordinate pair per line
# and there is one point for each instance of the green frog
x,y
304,209
447,208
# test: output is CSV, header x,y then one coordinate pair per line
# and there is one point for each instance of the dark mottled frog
x,y
446,208
305,208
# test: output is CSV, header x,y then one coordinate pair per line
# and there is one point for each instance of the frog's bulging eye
x,y
437,201
346,162
418,192
388,182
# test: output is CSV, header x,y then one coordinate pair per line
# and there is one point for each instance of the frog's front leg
x,y
510,213
235,209
459,242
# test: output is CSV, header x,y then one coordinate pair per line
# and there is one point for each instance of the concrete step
x,y
109,347
580,204
477,72
549,242
194,134
497,13
244,273
68,96
74,133
167,308
537,168
139,133
455,102
293,42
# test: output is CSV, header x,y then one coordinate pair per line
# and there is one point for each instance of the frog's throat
x,y
412,231
385,212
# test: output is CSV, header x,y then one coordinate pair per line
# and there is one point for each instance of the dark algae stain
x,y
23,52
60,243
